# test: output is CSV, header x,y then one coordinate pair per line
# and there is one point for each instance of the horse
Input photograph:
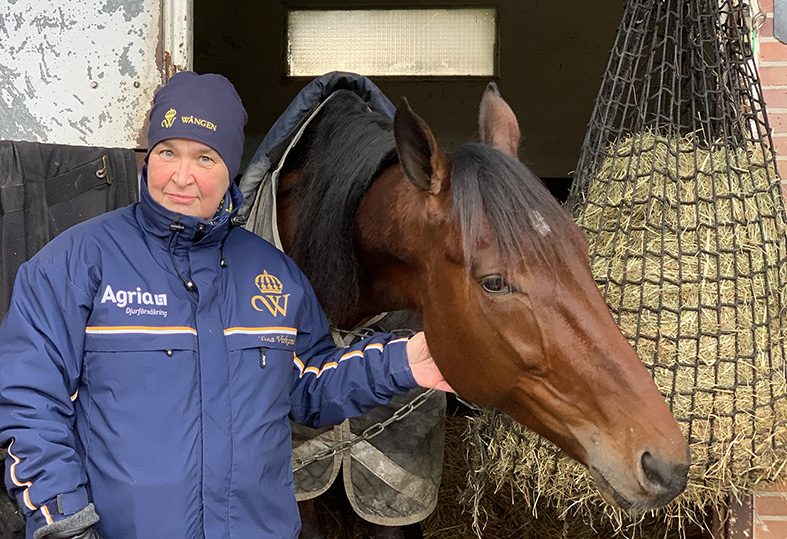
x,y
380,217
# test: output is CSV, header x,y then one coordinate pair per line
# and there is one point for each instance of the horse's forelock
x,y
496,191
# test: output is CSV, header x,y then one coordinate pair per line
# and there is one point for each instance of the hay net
x,y
678,194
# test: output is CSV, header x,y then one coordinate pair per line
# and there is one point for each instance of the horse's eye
x,y
494,284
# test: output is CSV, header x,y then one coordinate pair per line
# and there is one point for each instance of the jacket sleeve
x,y
331,384
41,349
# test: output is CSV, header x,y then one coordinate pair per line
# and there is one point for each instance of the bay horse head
x,y
381,218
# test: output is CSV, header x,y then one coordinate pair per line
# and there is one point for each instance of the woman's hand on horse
x,y
425,371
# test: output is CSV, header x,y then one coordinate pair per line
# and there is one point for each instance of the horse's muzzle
x,y
660,481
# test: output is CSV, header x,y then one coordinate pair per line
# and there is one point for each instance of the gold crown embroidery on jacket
x,y
268,284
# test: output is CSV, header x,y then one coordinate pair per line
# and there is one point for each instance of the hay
x,y
506,516
688,247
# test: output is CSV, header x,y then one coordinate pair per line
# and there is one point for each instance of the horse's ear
x,y
421,157
497,123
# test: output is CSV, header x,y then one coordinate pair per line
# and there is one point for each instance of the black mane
x,y
340,155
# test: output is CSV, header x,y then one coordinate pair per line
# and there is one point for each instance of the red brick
x,y
770,504
773,75
773,51
767,529
778,121
775,98
766,6
780,145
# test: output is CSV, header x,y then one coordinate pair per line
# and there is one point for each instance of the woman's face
x,y
187,177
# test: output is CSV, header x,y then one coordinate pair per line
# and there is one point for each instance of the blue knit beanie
x,y
205,108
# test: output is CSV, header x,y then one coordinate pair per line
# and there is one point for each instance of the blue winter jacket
x,y
168,408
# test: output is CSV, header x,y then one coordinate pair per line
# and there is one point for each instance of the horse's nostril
x,y
664,474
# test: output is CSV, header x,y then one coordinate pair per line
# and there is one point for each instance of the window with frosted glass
x,y
392,42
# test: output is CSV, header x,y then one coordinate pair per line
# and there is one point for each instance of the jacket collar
x,y
157,221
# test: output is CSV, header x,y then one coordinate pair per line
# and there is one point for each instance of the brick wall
x,y
769,507
773,75
765,514
770,513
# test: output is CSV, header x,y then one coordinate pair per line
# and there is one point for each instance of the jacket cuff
x,y
56,509
399,367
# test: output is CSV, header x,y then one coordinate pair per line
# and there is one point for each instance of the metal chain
x,y
368,433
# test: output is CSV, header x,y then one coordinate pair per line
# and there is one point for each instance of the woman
x,y
151,356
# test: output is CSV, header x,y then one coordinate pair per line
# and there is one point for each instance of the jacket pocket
x,y
260,374
139,370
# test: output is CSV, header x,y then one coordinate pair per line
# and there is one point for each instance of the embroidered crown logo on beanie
x,y
169,118
205,108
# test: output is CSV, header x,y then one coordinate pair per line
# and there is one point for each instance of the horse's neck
x,y
386,230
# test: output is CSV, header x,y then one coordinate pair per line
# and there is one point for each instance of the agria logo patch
x,y
136,302
270,296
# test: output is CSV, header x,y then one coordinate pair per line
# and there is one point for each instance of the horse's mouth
x,y
608,492
637,506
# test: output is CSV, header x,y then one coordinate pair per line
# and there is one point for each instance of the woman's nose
x,y
182,173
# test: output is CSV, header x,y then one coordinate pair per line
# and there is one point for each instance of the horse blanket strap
x,y
344,338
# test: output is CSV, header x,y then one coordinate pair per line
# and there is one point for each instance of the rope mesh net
x,y
678,194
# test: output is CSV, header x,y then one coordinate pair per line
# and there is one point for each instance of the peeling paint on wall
x,y
14,112
131,8
125,65
79,73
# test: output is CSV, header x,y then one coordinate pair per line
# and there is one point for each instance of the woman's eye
x,y
494,284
